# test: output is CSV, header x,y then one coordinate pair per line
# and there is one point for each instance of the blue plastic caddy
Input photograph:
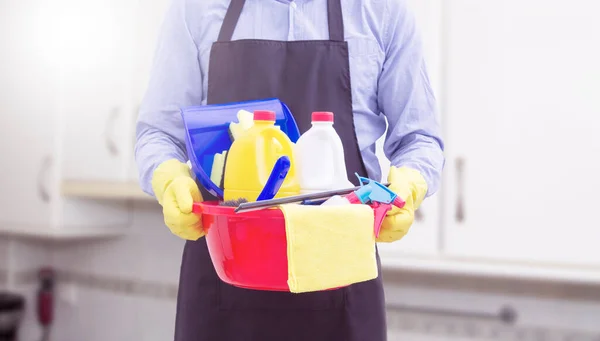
x,y
207,133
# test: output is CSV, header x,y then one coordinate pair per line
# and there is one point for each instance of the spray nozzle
x,y
379,197
373,191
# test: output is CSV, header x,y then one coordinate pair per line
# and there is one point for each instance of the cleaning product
x,y
207,133
336,200
379,197
216,173
320,157
370,191
252,157
236,129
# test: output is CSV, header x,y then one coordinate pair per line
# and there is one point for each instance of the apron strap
x,y
231,18
336,20
334,16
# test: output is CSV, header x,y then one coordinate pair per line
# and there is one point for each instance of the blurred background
x,y
507,250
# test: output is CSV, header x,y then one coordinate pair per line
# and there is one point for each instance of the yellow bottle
x,y
252,156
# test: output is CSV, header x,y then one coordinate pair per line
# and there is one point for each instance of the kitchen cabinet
x,y
97,37
33,115
423,237
27,139
522,117
108,69
104,74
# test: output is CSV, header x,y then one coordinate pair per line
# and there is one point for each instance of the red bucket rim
x,y
213,208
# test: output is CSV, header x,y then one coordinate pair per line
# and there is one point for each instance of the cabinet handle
x,y
419,216
110,123
136,114
42,190
460,196
506,314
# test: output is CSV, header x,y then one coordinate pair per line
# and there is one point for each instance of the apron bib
x,y
307,76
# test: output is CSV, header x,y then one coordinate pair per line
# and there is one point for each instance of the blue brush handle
x,y
278,174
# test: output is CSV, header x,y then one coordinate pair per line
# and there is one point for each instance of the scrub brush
x,y
233,202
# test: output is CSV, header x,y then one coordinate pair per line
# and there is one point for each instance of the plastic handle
x,y
197,208
380,204
110,123
135,118
41,180
380,211
419,215
460,205
284,142
278,174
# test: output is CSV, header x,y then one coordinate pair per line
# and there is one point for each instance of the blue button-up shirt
x,y
390,83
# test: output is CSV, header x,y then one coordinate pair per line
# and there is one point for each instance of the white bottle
x,y
320,162
336,200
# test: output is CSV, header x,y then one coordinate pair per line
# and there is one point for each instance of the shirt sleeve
x,y
175,82
406,99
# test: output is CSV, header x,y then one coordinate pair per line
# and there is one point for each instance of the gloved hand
x,y
410,186
176,192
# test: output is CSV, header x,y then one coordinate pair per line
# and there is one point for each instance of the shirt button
x,y
293,5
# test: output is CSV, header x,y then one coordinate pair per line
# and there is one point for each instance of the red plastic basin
x,y
248,250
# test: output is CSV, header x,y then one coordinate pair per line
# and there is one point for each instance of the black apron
x,y
307,76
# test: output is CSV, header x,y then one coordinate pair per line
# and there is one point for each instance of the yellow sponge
x,y
218,168
245,119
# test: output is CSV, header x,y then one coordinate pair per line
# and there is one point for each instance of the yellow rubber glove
x,y
410,186
176,192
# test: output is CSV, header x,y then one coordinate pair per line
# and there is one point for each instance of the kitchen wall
x,y
120,289
123,289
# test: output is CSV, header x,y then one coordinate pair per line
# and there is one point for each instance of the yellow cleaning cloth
x,y
329,246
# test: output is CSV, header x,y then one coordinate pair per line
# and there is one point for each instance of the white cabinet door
x,y
523,115
148,20
423,236
95,106
27,115
30,103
